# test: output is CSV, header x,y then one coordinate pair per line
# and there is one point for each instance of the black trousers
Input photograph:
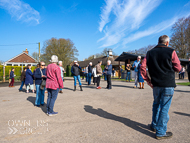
x,y
109,81
98,81
189,76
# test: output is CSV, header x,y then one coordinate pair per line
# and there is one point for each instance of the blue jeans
x,y
52,96
105,77
161,105
39,95
61,88
86,77
22,84
89,78
128,76
75,80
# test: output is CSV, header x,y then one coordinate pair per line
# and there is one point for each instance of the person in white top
x,y
62,73
94,75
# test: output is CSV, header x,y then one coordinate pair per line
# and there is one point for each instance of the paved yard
x,y
120,115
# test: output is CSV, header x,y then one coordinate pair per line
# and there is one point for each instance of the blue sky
x,y
91,24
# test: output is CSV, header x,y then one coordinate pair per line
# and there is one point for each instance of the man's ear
x,y
167,43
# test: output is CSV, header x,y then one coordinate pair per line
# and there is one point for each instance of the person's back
x,y
54,80
159,62
162,63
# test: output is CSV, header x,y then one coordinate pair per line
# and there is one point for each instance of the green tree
x,y
63,48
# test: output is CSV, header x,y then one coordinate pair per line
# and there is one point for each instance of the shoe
x,y
42,104
20,90
135,87
60,91
109,88
98,87
81,88
166,136
12,86
53,113
74,88
37,105
126,80
152,129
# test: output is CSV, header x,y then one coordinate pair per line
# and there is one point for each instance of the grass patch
x,y
184,83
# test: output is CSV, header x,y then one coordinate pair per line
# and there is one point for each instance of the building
x,y
104,60
23,59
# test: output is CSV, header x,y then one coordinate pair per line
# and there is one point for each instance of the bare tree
x,y
35,55
142,51
180,39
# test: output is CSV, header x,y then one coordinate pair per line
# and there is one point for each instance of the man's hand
x,y
150,84
43,76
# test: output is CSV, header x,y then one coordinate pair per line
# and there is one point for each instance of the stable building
x,y
23,59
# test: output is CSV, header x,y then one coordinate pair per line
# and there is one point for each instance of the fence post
x,y
3,72
9,76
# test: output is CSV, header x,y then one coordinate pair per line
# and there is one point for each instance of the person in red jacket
x,y
54,82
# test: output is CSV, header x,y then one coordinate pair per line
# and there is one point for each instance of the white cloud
x,y
106,13
21,11
152,30
127,16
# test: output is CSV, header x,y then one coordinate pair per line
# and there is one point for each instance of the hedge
x,y
17,72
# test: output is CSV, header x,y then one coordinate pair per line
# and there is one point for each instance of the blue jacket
x,y
29,77
11,74
109,70
136,64
38,76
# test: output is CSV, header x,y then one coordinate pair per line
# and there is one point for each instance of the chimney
x,y
26,51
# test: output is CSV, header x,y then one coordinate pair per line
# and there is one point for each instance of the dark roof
x,y
125,56
184,61
104,60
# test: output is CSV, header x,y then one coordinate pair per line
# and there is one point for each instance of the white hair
x,y
54,59
109,61
139,57
60,62
90,63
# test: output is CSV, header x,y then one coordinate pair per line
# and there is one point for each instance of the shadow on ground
x,y
184,114
144,129
32,100
123,86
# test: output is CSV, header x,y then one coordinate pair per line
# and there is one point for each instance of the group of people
x,y
89,72
162,62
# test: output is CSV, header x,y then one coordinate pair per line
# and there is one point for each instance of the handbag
x,y
43,84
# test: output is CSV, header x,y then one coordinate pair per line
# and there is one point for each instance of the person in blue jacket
x,y
40,74
12,78
75,70
89,73
108,71
140,79
29,79
135,66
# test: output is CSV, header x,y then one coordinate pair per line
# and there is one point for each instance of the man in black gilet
x,y
162,62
